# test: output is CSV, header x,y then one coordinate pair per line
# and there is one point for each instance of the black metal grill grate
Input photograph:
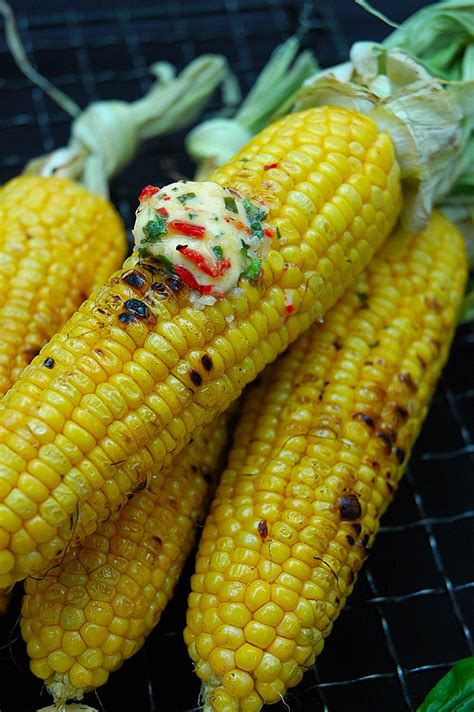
x,y
411,614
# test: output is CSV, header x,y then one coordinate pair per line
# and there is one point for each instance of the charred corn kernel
x,y
5,597
57,242
112,590
326,437
204,353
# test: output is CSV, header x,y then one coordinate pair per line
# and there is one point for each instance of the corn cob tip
x,y
58,242
99,604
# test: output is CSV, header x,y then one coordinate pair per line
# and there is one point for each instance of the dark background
x,y
411,614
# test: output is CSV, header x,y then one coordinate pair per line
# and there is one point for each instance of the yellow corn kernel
x,y
319,449
113,589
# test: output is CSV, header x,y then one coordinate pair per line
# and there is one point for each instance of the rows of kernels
x,y
95,609
240,335
58,242
311,513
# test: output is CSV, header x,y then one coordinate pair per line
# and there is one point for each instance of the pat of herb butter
x,y
207,235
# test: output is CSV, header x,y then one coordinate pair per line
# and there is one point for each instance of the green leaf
x,y
254,268
185,197
230,205
168,265
255,217
454,692
154,229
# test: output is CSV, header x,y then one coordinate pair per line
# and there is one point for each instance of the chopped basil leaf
x,y
191,216
185,197
253,270
230,205
154,229
255,216
278,233
142,252
166,262
217,250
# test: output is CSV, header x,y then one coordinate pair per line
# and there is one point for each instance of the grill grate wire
x,y
410,616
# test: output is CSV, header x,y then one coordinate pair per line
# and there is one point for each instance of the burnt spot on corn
x,y
433,304
196,377
386,439
349,507
400,454
156,542
407,379
373,464
337,344
390,487
149,266
137,307
436,343
421,360
365,541
161,289
350,539
126,318
135,279
49,362
357,528
363,418
141,483
374,344
363,297
30,352
400,411
175,283
206,361
262,527
207,476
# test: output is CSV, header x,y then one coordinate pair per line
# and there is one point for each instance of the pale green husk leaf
x,y
105,136
428,119
216,140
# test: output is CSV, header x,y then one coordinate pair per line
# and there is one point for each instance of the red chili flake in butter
x,y
147,192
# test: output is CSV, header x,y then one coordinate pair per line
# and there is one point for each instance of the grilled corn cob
x,y
96,608
58,242
141,367
331,429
